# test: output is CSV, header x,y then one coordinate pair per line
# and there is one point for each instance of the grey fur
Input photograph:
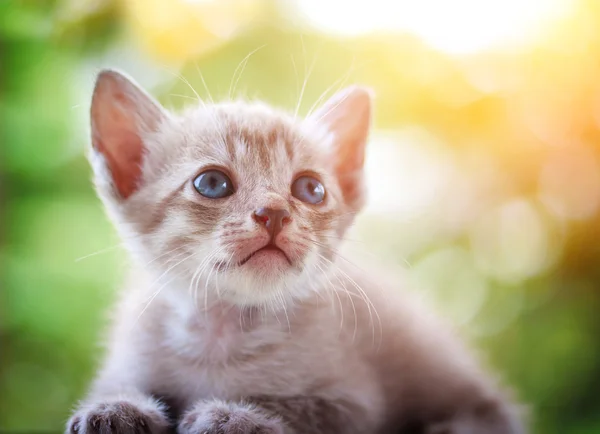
x,y
323,347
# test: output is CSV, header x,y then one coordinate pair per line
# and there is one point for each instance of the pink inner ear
x,y
125,165
121,114
347,115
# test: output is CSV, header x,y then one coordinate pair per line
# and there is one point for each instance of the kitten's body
x,y
311,344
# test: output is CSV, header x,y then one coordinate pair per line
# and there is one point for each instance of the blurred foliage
x,y
485,179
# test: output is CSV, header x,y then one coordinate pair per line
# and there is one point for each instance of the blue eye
x,y
213,184
308,189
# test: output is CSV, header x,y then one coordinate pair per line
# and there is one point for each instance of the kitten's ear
x,y
347,115
121,115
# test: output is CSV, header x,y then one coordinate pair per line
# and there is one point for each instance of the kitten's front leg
x,y
265,415
222,417
131,413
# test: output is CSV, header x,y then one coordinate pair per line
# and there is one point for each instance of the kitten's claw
x,y
218,417
118,417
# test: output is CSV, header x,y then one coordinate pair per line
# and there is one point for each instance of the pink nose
x,y
272,219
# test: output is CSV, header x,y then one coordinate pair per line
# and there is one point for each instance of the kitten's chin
x,y
265,278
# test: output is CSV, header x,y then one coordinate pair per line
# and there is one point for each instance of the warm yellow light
x,y
454,26
176,30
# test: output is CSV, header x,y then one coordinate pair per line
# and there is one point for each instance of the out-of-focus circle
x,y
449,280
510,242
177,30
569,183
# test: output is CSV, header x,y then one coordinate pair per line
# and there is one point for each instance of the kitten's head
x,y
239,195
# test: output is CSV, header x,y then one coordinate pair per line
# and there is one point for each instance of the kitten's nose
x,y
272,219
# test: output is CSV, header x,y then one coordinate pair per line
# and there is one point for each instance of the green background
x,y
535,132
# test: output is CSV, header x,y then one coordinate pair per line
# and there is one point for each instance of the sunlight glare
x,y
453,26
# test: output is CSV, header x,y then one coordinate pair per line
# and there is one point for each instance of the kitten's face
x,y
239,195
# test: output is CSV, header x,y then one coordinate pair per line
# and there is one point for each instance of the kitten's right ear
x,y
122,114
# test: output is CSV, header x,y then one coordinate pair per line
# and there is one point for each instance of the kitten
x,y
240,316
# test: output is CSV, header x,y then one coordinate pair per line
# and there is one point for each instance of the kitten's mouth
x,y
272,248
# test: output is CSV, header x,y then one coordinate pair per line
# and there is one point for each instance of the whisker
x,y
307,74
244,61
165,272
99,252
334,237
195,275
161,287
332,287
212,101
331,109
364,249
296,74
115,246
363,295
370,306
217,274
182,96
211,271
339,83
283,305
349,294
186,82
165,254
201,268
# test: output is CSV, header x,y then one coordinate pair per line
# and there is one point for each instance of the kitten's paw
x,y
118,417
219,417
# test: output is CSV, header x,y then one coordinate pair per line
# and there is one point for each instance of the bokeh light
x,y
457,27
483,169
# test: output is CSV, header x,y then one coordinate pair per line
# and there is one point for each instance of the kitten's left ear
x,y
122,115
347,115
